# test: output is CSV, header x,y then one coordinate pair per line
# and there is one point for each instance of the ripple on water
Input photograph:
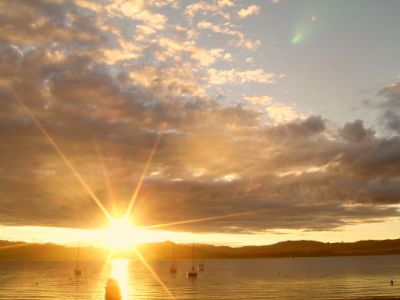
x,y
299,278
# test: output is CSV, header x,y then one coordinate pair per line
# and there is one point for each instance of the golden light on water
x,y
153,273
120,272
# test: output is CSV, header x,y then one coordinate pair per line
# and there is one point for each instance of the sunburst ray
x,y
189,221
18,245
141,179
59,151
152,272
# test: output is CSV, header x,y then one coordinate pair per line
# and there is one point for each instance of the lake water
x,y
287,278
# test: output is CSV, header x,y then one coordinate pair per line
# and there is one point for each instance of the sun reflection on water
x,y
119,271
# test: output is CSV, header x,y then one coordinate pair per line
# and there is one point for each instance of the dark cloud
x,y
30,23
214,158
389,105
392,120
355,132
391,95
302,129
380,157
289,202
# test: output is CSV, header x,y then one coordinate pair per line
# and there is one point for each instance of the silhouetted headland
x,y
26,251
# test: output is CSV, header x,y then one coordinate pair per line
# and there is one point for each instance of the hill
x,y
27,251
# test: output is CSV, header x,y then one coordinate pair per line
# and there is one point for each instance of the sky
x,y
225,122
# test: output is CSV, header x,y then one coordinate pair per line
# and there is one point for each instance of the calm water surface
x,y
296,278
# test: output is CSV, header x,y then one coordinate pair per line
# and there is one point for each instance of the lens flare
x,y
298,38
153,273
59,151
304,31
245,213
120,234
15,246
141,179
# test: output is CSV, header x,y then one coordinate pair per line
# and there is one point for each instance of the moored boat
x,y
192,273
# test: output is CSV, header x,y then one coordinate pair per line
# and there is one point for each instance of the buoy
x,y
113,290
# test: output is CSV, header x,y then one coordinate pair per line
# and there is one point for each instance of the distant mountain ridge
x,y
28,251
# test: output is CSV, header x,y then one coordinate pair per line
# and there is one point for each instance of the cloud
x,y
391,94
104,92
229,30
138,10
379,158
277,112
355,132
205,8
281,113
32,22
172,80
311,126
226,3
162,3
392,120
233,76
249,11
249,59
389,105
258,100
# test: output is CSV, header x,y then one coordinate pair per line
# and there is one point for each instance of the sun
x,y
120,234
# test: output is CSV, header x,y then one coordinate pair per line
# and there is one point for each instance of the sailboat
x,y
201,267
77,270
172,268
192,273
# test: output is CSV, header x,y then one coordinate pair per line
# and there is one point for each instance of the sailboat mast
x,y
77,258
77,270
193,257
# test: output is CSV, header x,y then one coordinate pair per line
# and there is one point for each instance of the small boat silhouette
x,y
192,273
173,269
201,267
77,270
